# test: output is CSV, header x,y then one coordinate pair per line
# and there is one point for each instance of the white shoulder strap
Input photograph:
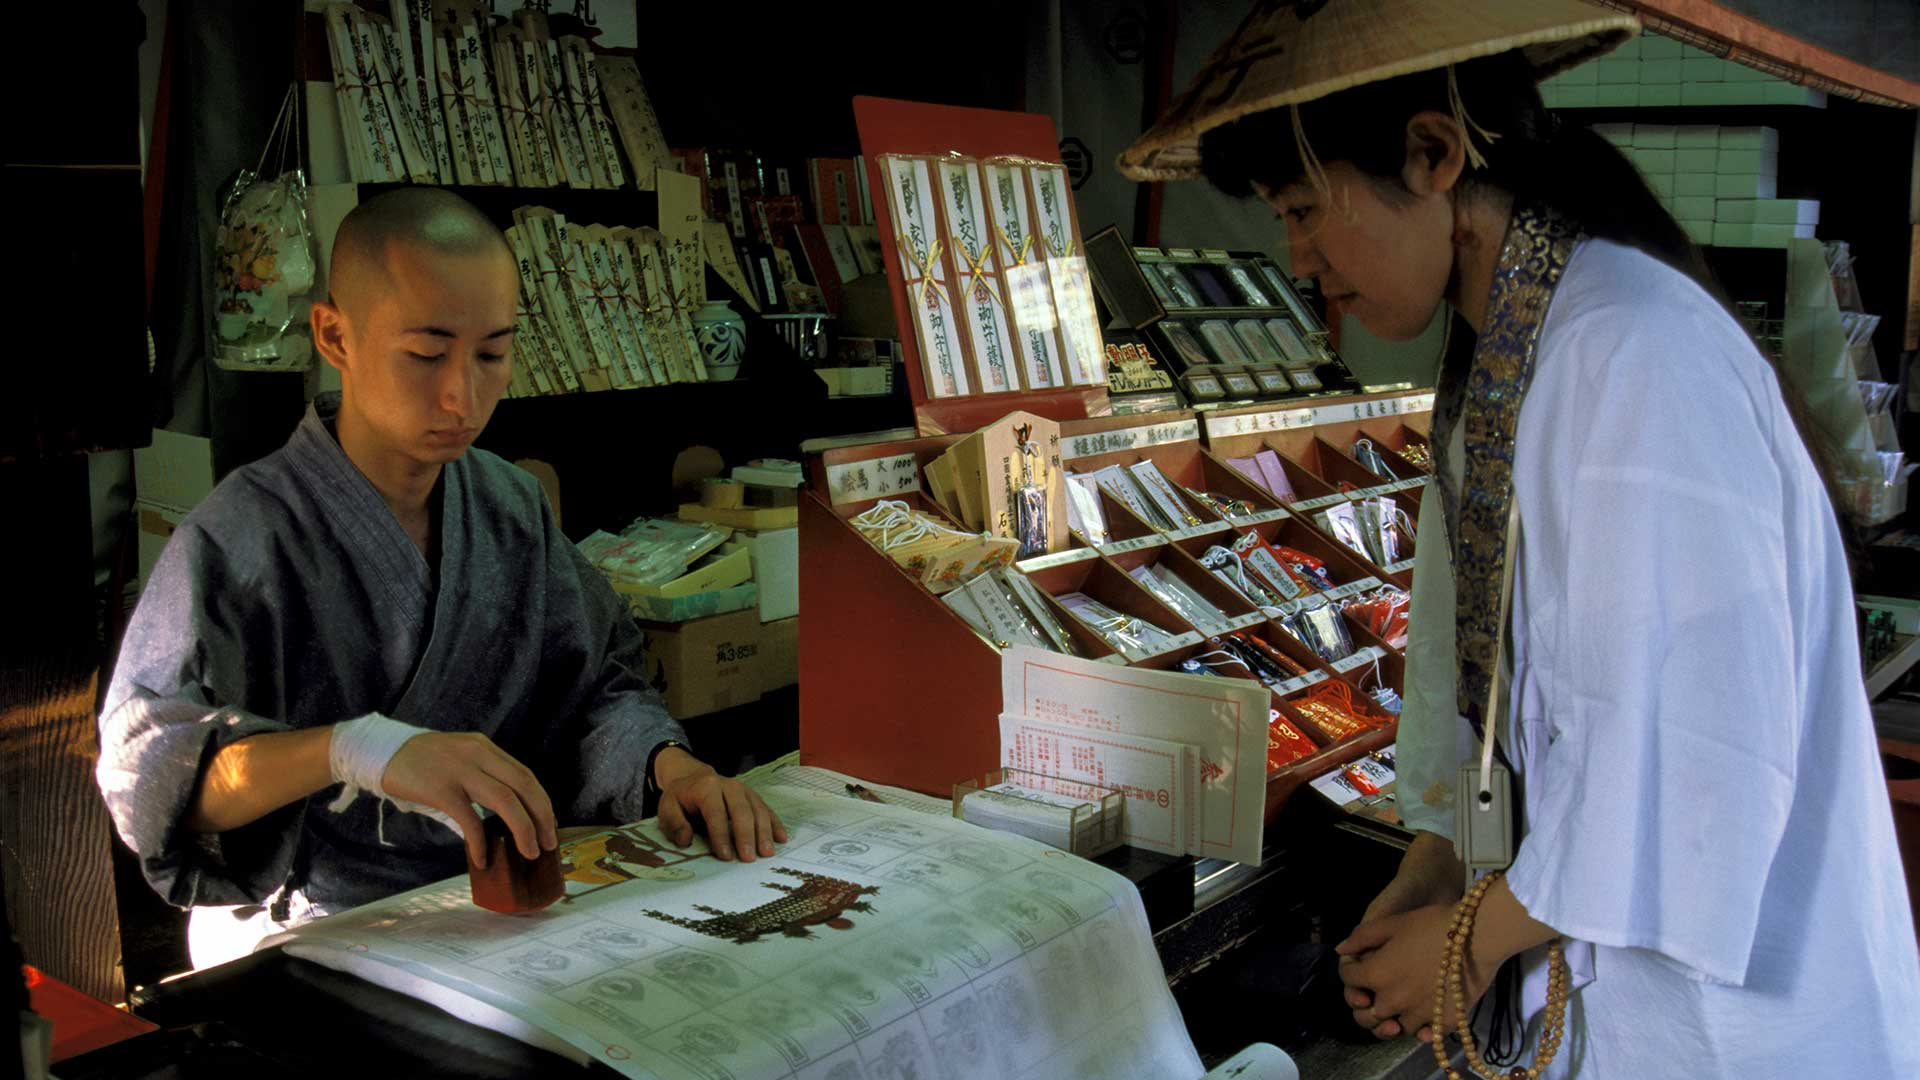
x,y
1495,711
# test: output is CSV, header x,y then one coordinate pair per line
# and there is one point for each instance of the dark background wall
x,y
1882,34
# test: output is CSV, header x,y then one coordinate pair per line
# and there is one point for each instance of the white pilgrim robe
x,y
1704,810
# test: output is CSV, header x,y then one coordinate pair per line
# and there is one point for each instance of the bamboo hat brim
x,y
1290,51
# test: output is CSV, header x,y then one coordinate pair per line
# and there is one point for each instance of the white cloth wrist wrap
x,y
358,755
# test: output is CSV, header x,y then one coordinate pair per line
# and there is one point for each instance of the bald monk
x,y
356,639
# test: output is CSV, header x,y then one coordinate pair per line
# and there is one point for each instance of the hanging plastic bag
x,y
264,263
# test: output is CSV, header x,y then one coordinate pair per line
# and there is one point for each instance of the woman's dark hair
x,y
1565,166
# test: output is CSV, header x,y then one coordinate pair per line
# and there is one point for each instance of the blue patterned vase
x,y
722,335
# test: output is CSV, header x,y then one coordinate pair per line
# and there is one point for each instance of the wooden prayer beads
x,y
1450,985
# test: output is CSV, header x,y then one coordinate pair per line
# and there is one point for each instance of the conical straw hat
x,y
1289,51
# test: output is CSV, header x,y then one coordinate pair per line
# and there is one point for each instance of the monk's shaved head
x,y
422,219
420,325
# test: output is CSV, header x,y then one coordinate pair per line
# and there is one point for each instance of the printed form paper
x,y
1157,778
1225,720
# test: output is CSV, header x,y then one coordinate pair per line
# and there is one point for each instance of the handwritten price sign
x,y
1139,438
1293,419
876,478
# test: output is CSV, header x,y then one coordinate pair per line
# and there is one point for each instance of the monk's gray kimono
x,y
292,597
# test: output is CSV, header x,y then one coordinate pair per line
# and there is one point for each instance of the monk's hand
x,y
731,814
450,771
1395,960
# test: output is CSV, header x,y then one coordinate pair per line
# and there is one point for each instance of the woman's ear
x,y
1436,153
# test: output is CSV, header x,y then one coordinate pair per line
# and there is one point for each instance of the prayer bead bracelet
x,y
1451,984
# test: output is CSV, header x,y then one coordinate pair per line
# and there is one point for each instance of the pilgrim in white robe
x,y
1704,814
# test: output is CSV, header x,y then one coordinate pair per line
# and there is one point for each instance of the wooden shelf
x,y
1905,654
592,206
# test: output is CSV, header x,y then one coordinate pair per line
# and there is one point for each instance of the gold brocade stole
x,y
1486,400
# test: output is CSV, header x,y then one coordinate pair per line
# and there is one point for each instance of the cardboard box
x,y
1732,234
1694,208
867,381
718,662
780,654
1748,162
1696,137
746,517
1789,94
1720,94
1696,160
1620,135
1664,72
769,474
1657,47
1735,234
1653,136
1786,211
1744,187
1749,138
1698,70
1685,184
1584,75
1611,71
172,475
776,569
1778,236
1654,162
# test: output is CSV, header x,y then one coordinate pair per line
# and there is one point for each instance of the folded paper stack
x,y
672,571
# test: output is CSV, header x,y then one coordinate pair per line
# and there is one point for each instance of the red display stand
x,y
886,670
898,689
1318,457
888,126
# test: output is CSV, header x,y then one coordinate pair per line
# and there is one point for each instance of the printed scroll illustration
x,y
817,900
878,943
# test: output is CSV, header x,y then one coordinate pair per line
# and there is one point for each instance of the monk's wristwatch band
x,y
651,789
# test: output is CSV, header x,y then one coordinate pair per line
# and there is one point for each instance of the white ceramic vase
x,y
722,334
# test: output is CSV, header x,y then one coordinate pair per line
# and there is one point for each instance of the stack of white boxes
x,y
1720,183
1652,70
776,552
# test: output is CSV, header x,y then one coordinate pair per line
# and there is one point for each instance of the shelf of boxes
x,y
1719,182
1657,71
